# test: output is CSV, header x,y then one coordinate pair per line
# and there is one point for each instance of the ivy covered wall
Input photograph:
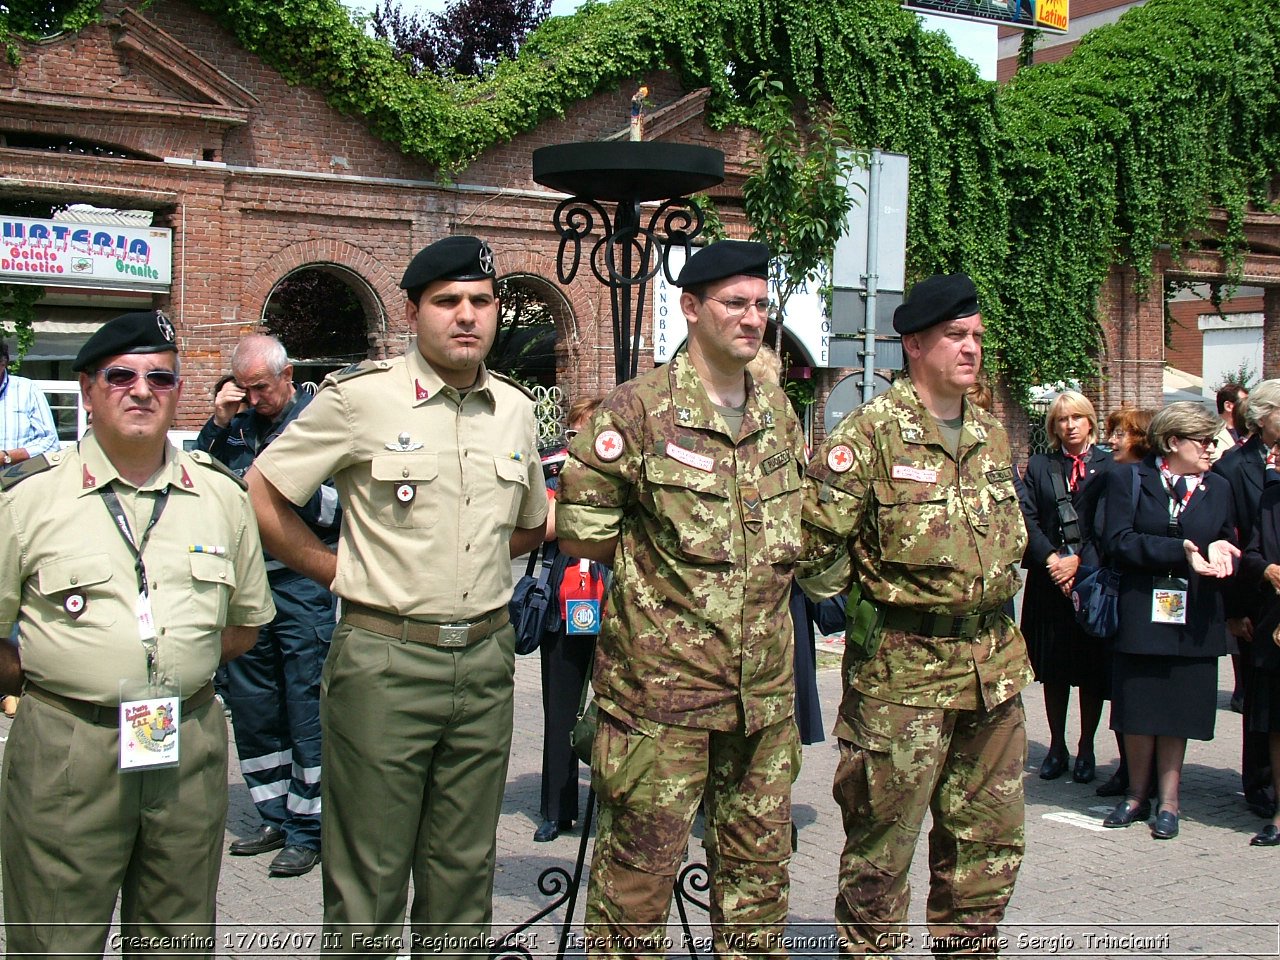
x,y
1035,188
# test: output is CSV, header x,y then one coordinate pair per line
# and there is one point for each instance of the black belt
x,y
103,716
447,635
940,624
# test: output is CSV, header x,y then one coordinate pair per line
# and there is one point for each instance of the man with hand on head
x,y
273,691
131,568
910,506
435,460
688,483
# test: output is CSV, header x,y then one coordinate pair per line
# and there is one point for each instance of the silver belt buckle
x,y
454,634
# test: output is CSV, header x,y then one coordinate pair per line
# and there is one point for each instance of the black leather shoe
x,y
1086,770
293,862
1268,836
1054,765
267,838
1125,813
1166,825
1115,786
548,830
1260,803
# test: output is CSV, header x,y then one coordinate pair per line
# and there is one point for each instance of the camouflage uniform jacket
x,y
888,504
697,631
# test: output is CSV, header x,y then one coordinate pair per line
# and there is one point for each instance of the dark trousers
x,y
274,695
566,661
1255,755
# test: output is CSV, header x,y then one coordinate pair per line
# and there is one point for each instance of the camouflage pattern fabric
x,y
650,779
697,630
899,761
927,721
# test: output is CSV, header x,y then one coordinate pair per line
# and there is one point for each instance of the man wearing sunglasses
x,y
274,689
688,483
131,569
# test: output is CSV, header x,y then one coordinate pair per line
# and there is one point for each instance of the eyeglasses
x,y
736,308
122,377
570,434
1207,442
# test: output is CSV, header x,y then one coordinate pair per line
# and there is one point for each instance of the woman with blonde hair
x,y
1059,493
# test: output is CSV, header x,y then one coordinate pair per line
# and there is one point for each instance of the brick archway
x,y
373,284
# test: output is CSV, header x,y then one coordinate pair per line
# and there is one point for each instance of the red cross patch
x,y
840,458
609,445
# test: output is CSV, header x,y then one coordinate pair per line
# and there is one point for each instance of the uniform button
x,y
222,574
74,581
465,595
405,473
155,584
468,501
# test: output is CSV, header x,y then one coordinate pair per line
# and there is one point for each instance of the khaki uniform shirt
x,y
924,531
59,544
433,484
697,631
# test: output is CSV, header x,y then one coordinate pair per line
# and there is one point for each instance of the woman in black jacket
x,y
1168,530
1059,492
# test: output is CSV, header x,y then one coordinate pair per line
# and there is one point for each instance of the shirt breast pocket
x,y
694,505
81,588
213,580
402,491
913,523
781,502
512,481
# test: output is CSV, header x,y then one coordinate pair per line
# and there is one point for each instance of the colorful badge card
x,y
149,733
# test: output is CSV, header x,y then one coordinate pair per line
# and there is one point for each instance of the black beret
x,y
725,258
453,258
934,300
143,331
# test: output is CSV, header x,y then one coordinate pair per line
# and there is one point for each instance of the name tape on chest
x,y
919,474
1002,475
776,462
689,458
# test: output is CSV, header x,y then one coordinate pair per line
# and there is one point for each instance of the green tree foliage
x,y
796,197
1035,189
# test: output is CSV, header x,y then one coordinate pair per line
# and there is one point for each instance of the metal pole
x,y
872,276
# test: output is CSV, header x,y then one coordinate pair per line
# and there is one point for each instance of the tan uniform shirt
x,y
432,483
60,548
697,631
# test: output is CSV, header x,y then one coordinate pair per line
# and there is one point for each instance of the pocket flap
x,y
74,573
401,468
666,472
514,470
212,568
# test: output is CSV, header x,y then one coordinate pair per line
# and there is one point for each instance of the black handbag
x,y
533,600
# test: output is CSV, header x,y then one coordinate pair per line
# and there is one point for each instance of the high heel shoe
x,y
1054,764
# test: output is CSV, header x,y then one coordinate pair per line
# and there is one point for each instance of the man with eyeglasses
x,y
274,689
688,483
131,569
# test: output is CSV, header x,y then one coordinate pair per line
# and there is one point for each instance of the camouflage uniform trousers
x,y
651,779
965,766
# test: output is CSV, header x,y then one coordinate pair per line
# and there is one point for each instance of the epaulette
x,y
205,460
357,370
16,473
515,383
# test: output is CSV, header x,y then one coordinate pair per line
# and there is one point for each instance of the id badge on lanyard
x,y
582,613
150,722
1169,600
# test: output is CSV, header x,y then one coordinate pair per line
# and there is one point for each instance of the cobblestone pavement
x,y
1082,889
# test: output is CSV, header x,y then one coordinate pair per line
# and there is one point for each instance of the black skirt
x,y
1060,651
1164,696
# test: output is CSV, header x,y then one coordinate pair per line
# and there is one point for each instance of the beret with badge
x,y
935,300
453,258
725,258
143,331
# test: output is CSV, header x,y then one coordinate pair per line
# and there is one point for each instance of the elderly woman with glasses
x,y
1168,530
1059,493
